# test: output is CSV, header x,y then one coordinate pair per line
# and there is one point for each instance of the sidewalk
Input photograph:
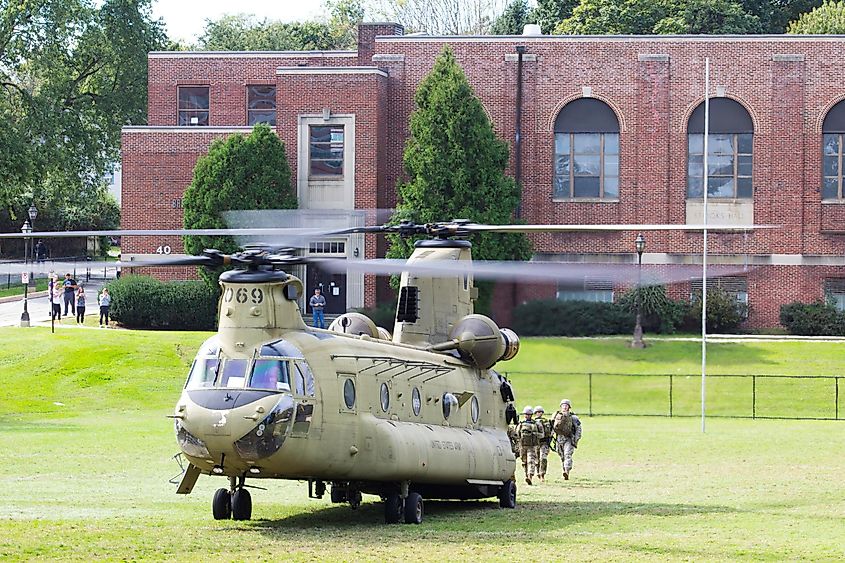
x,y
38,306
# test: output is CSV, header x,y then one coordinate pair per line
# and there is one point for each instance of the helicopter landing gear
x,y
221,504
393,508
234,503
241,504
507,494
413,508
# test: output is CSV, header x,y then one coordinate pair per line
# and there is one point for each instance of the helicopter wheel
x,y
221,505
392,508
241,505
507,494
413,508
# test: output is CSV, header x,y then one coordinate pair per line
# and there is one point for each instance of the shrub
x,y
383,315
551,317
659,313
724,312
812,319
143,302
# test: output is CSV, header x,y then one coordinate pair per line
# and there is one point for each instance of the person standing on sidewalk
x,y
80,305
70,293
318,302
57,290
105,303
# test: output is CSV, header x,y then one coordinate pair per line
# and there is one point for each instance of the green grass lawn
x,y
87,454
17,289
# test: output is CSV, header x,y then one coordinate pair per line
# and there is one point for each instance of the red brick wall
x,y
787,98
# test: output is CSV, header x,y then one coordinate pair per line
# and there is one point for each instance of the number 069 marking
x,y
242,295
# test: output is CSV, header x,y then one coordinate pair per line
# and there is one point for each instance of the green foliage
x,y
383,315
513,19
242,32
238,173
455,166
812,319
552,317
658,312
829,18
72,74
775,15
550,13
144,302
724,312
645,17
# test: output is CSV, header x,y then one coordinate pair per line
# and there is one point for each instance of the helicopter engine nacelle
x,y
357,324
481,342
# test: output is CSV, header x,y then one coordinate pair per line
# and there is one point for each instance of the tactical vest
x,y
546,425
529,433
563,425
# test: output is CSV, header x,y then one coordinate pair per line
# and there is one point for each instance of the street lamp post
x,y
33,213
639,243
26,229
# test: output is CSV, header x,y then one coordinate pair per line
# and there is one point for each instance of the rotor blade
x,y
474,227
267,232
538,272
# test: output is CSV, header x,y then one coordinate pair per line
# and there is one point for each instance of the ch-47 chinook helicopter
x,y
353,409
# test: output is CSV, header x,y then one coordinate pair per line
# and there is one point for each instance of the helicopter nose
x,y
269,434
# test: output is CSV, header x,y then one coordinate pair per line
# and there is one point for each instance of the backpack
x,y
528,433
563,425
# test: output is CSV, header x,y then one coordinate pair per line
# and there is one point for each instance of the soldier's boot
x,y
566,475
528,479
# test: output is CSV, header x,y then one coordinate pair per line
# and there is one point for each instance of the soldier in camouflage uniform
x,y
545,441
529,443
567,428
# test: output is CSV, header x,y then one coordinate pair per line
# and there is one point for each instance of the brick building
x,y
611,132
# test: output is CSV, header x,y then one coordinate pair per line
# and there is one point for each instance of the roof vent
x,y
532,29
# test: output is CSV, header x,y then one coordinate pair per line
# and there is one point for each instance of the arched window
x,y
832,170
586,151
730,145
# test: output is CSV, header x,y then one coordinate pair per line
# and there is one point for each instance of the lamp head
x,y
640,243
33,212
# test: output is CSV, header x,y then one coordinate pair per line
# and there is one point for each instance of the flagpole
x,y
704,251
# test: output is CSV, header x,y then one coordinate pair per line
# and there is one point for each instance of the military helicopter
x,y
419,414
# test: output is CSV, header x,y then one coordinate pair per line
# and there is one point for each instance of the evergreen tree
x,y
456,167
240,172
829,18
513,19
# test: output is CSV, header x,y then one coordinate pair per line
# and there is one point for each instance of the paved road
x,y
39,307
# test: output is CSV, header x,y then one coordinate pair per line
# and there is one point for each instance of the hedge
x,y
144,302
812,319
551,317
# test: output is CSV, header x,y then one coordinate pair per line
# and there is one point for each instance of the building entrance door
x,y
332,286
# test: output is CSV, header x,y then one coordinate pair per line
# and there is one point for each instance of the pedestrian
x,y
545,441
318,302
57,290
105,302
70,293
567,428
40,251
80,305
529,442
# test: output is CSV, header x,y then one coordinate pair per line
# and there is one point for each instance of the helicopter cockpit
x,y
276,366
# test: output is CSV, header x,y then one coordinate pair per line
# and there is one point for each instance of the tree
x,y
829,18
72,74
456,167
513,19
709,17
775,15
240,172
441,17
243,32
645,17
550,13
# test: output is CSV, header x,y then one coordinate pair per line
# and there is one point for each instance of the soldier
x,y
545,440
567,428
529,441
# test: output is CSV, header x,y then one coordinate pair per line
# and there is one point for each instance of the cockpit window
x,y
304,379
270,374
281,348
233,373
203,373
